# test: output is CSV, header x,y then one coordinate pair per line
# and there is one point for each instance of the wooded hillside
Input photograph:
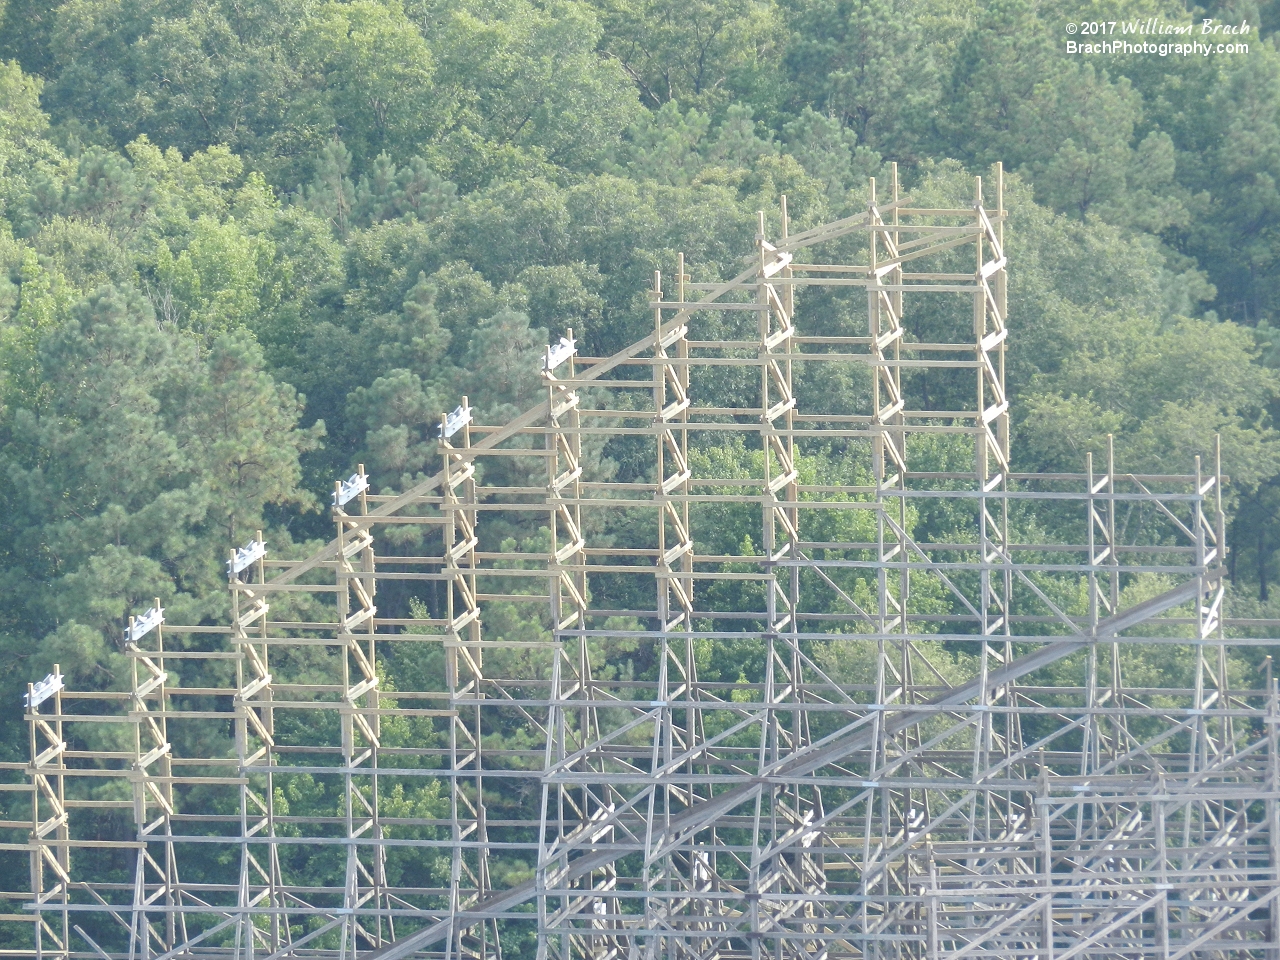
x,y
246,245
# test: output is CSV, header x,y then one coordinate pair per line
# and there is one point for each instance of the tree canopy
x,y
244,246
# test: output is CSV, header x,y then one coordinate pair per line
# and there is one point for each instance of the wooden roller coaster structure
x,y
940,746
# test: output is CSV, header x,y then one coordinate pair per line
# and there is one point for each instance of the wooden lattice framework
x,y
979,779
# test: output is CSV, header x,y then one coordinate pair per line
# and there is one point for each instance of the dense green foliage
x,y
245,245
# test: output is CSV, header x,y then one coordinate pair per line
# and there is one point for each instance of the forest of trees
x,y
245,244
